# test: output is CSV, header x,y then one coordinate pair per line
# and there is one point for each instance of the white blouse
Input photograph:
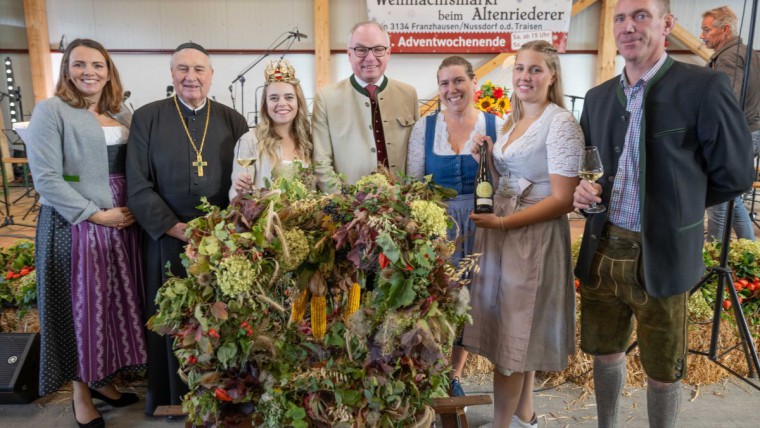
x,y
563,144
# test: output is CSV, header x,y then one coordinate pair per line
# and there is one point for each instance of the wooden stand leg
x,y
450,420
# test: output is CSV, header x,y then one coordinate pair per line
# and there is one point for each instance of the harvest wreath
x,y
269,322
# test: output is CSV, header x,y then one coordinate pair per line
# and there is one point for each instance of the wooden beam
x,y
5,147
691,41
492,64
498,60
480,72
38,40
605,59
322,42
581,5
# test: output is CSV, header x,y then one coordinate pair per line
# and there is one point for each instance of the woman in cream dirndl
x,y
522,297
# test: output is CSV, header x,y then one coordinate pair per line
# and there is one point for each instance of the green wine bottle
x,y
483,184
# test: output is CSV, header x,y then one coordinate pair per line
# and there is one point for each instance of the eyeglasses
x,y
377,51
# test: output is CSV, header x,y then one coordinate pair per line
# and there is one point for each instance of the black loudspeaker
x,y
19,367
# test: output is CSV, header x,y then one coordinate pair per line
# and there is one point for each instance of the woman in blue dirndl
x,y
440,145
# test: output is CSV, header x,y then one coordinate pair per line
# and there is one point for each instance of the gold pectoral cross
x,y
199,163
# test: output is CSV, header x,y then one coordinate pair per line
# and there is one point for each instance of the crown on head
x,y
280,70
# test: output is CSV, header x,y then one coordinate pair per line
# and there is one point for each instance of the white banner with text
x,y
471,26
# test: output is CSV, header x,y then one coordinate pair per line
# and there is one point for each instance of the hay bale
x,y
700,370
11,323
477,365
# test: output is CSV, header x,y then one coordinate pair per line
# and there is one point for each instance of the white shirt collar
x,y
195,110
364,84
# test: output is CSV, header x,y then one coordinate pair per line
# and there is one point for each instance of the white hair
x,y
372,23
171,62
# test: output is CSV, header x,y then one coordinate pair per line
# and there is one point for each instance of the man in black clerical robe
x,y
178,151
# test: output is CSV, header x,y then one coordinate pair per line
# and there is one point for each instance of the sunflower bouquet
x,y
308,310
492,99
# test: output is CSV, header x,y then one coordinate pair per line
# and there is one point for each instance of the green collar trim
x,y
363,91
657,76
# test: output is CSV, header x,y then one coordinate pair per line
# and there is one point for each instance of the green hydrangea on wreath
x,y
270,324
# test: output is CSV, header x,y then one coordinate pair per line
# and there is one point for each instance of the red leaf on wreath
x,y
384,261
221,395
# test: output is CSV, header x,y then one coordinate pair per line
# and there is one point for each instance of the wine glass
x,y
590,169
246,161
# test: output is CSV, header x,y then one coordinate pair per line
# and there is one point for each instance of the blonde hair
x,y
112,96
723,16
555,95
269,140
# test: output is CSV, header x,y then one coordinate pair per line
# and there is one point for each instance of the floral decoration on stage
x,y
18,283
304,309
492,99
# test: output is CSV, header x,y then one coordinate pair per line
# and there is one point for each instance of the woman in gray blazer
x,y
89,275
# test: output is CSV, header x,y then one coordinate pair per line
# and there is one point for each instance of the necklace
x,y
538,113
199,162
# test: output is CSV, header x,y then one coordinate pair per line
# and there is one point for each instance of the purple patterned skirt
x,y
107,294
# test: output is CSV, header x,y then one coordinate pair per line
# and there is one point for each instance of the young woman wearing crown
x,y
281,139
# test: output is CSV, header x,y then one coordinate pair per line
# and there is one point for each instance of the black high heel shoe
x,y
95,423
126,398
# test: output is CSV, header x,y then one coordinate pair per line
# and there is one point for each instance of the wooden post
x,y
605,60
581,5
39,48
5,148
692,42
322,42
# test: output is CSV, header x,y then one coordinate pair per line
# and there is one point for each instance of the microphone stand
x,y
256,105
572,102
241,76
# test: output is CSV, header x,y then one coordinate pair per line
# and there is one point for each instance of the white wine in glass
x,y
591,169
247,163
